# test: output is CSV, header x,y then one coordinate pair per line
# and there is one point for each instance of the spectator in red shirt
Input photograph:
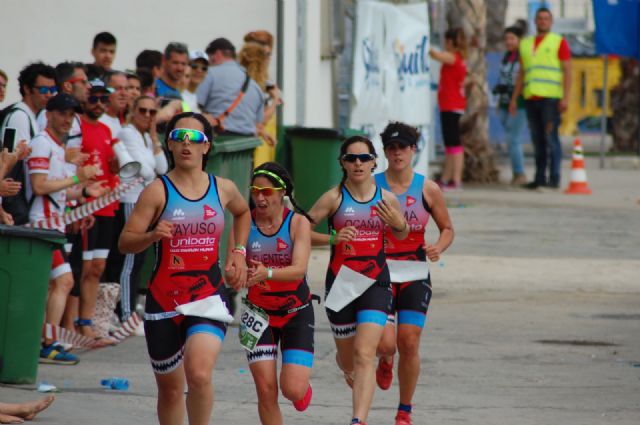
x,y
97,142
452,103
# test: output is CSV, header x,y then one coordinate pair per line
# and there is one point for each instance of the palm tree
x,y
471,15
625,102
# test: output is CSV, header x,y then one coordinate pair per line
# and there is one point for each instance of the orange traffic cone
x,y
578,184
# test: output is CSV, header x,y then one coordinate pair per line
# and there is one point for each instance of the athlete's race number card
x,y
253,322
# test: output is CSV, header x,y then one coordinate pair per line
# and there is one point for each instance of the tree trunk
x,y
625,102
474,126
496,17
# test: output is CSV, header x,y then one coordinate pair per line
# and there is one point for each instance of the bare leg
x,y
59,289
364,355
201,353
91,272
294,381
170,405
447,168
387,346
409,361
9,419
458,167
27,410
344,356
266,380
70,312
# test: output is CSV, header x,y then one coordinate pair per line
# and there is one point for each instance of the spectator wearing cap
x,y
174,63
103,52
99,239
50,185
114,116
150,60
199,65
222,86
37,83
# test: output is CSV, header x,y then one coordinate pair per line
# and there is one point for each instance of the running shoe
x,y
403,418
384,374
356,421
302,404
55,354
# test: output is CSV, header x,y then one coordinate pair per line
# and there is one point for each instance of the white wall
x,y
58,30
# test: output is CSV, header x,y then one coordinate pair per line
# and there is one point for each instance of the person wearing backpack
x,y
37,84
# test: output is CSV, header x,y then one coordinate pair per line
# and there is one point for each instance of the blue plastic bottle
x,y
120,384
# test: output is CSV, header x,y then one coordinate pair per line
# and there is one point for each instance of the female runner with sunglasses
x,y
278,253
419,199
358,211
141,140
183,214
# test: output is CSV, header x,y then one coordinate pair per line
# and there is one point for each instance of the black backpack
x,y
18,206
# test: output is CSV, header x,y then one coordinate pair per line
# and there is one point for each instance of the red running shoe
x,y
302,404
403,418
384,374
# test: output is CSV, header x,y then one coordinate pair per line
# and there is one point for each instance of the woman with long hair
x,y
141,140
182,213
513,124
452,103
358,210
419,199
255,56
278,251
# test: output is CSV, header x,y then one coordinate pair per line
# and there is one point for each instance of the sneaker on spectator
x,y
441,184
302,404
55,354
403,418
384,374
64,345
452,187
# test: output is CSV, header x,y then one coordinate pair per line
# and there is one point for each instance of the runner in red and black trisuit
x,y
278,254
358,211
419,198
185,212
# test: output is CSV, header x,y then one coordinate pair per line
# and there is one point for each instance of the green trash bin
x,y
232,158
315,165
25,263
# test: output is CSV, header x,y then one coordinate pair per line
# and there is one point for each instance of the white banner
x,y
391,79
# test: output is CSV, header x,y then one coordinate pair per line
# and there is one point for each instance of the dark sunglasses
x,y
93,99
200,67
145,111
46,89
266,191
363,157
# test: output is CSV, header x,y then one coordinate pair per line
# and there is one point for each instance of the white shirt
x,y
112,122
46,157
141,149
74,140
24,121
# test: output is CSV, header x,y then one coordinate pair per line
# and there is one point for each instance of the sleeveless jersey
x,y
364,254
416,211
276,251
186,267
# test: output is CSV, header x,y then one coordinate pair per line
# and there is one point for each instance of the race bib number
x,y
253,322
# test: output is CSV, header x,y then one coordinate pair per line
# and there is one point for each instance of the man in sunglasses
x,y
97,142
37,83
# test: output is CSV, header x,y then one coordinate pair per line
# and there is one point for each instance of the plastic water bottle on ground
x,y
119,384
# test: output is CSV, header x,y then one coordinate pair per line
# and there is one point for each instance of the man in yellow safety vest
x,y
545,81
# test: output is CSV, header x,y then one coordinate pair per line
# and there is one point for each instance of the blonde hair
x,y
253,57
261,37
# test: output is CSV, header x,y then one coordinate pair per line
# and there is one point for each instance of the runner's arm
x,y
232,200
136,236
323,207
440,214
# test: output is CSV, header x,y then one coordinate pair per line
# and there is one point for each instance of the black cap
x,y
99,86
220,44
398,135
63,102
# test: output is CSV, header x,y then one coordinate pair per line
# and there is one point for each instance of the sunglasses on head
x,y
200,67
93,99
182,134
150,112
363,157
46,89
266,191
